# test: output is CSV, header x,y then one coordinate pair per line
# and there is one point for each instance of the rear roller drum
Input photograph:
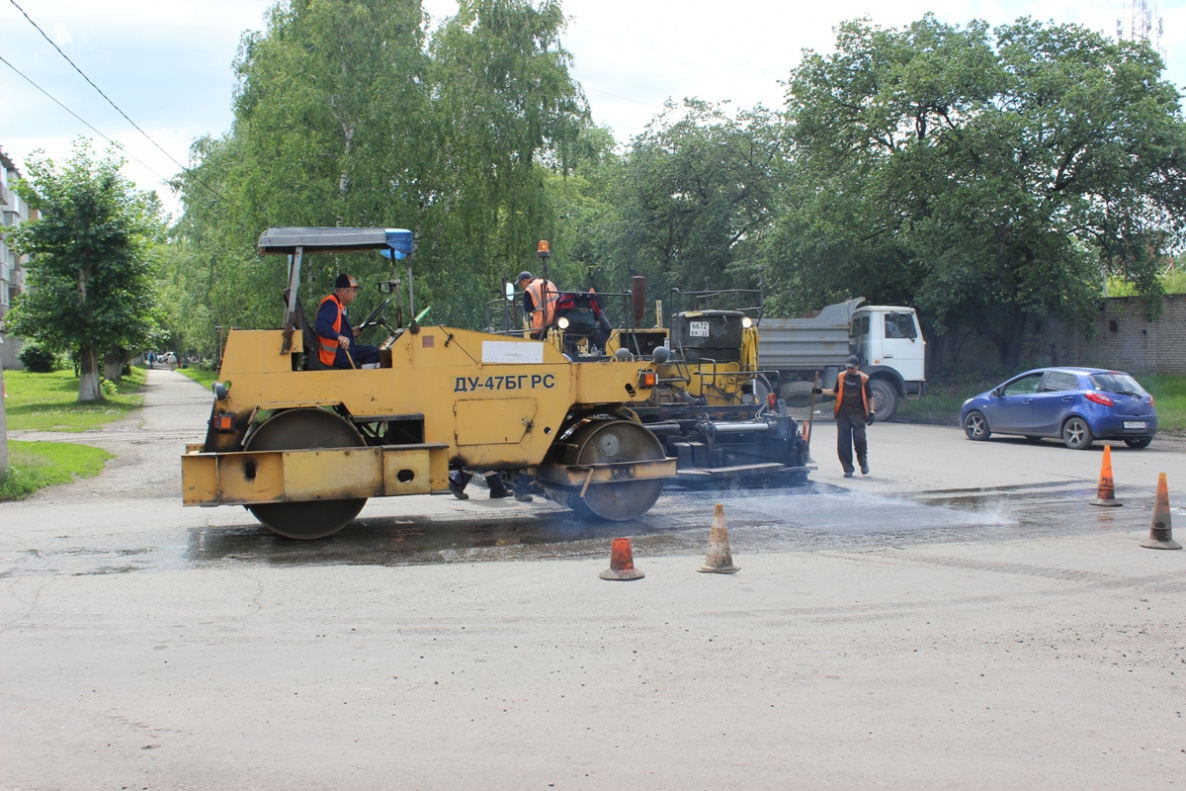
x,y
304,429
606,442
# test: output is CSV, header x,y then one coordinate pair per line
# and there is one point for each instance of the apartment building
x,y
13,211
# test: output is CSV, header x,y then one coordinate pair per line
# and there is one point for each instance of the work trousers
x,y
850,433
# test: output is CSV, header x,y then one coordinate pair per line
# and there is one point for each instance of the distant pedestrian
x,y
151,357
853,412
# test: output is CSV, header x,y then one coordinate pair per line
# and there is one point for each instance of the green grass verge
x,y
32,465
204,378
947,392
49,402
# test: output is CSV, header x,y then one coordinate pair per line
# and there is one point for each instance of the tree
x,y
89,275
696,190
984,180
346,114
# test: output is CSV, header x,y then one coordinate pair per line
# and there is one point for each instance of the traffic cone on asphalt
x,y
1106,493
1161,533
621,562
720,559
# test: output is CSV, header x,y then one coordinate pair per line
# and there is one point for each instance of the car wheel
x,y
1076,434
1138,442
976,426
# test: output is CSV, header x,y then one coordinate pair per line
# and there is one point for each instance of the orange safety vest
x,y
543,301
329,346
840,393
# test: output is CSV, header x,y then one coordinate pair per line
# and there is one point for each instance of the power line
x,y
96,87
187,171
115,143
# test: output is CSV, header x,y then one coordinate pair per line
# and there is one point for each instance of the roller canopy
x,y
335,240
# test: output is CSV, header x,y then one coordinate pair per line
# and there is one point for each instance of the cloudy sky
x,y
167,63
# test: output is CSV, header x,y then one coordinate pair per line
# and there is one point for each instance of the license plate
x,y
1134,424
698,329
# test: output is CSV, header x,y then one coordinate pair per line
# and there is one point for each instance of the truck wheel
x,y
885,399
796,393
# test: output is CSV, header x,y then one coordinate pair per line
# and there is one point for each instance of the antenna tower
x,y
1141,22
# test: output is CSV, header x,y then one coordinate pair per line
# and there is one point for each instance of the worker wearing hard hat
x,y
853,412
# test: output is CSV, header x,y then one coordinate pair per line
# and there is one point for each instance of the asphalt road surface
x,y
961,618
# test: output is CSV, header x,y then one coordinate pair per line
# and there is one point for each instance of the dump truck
x,y
303,447
887,338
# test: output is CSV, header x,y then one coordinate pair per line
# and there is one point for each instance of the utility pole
x,y
3,422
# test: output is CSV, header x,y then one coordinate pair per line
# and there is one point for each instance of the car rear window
x,y
1116,382
1058,381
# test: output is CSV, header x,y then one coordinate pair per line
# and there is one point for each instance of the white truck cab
x,y
887,338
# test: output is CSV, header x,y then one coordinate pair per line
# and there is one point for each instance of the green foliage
x,y
346,114
203,376
696,192
1169,398
48,402
89,277
984,181
38,359
1171,283
34,465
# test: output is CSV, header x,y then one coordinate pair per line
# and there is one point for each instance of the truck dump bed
x,y
805,344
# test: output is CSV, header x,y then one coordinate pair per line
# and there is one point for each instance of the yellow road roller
x,y
303,446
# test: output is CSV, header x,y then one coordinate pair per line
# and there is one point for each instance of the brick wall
x,y
1124,339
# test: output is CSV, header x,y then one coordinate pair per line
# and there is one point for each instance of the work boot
x,y
457,487
848,473
498,489
864,469
521,494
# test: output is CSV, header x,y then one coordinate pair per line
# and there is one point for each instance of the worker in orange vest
x,y
852,412
335,337
539,302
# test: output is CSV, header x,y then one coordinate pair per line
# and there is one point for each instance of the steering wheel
x,y
378,316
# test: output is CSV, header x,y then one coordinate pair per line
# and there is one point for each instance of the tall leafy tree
x,y
89,275
508,114
696,190
346,114
984,178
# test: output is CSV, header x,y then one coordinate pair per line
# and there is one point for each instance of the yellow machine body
x,y
483,401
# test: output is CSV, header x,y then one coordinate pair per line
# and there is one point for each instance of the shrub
x,y
38,359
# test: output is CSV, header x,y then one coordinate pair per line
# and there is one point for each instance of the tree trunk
x,y
1008,342
1011,355
88,375
113,364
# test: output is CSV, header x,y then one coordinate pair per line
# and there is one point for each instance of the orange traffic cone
x,y
1106,493
621,562
1161,533
720,559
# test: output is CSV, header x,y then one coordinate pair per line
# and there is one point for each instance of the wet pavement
x,y
813,518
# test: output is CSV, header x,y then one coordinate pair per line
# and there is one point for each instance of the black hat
x,y
345,281
853,361
524,275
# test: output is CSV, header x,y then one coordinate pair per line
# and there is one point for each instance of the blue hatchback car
x,y
1077,405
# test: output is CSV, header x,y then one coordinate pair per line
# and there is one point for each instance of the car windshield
x,y
1115,382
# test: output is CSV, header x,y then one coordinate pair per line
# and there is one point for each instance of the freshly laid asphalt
x,y
959,619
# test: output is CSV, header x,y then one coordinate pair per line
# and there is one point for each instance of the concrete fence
x,y
1125,338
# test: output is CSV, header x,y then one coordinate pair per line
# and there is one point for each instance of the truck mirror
x,y
510,291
